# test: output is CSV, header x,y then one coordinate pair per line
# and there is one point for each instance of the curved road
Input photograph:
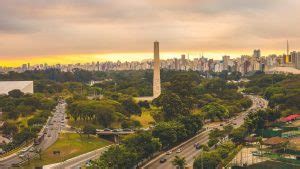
x,y
189,152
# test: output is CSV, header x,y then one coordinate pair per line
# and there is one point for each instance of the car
x,y
162,160
22,155
32,149
256,153
198,147
24,150
2,151
106,129
221,124
179,150
49,135
88,163
234,123
169,152
116,130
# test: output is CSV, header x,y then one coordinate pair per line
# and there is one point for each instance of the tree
x,y
225,148
116,157
131,108
24,110
172,106
16,93
9,129
143,144
104,115
183,84
207,160
238,134
36,121
144,104
180,162
169,133
213,110
192,123
212,142
89,129
228,128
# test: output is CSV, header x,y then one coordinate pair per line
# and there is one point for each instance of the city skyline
x,y
124,57
82,31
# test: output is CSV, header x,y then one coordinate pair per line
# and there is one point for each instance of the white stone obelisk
x,y
156,71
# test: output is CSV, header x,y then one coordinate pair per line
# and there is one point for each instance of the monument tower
x,y
156,71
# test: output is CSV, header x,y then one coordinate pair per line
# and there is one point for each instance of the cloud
x,y
105,26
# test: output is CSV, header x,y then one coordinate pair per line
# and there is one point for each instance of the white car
x,y
32,149
22,155
169,152
179,150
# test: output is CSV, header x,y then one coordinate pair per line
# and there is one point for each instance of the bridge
x,y
102,132
116,134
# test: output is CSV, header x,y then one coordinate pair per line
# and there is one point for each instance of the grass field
x,y
21,121
69,145
145,119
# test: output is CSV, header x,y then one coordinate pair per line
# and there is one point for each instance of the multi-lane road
x,y
50,131
188,150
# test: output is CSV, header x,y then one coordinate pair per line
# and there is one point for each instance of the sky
x,y
70,31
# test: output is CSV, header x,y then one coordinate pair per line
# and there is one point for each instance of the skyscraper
x,y
225,62
156,71
257,53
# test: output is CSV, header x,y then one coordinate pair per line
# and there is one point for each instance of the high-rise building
x,y
177,64
297,60
225,62
156,71
257,53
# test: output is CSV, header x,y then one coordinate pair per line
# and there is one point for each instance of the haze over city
x,y
83,31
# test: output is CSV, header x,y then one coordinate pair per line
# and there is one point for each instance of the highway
x,y
51,131
189,152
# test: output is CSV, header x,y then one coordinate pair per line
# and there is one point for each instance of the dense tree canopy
x,y
143,144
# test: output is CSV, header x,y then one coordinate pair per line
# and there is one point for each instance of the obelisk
x,y
156,71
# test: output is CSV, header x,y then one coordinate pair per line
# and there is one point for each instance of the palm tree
x,y
180,162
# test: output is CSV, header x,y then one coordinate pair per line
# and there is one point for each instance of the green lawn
x,y
69,145
145,119
21,121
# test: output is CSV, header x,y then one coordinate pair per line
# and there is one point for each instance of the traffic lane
x,y
191,153
239,120
186,151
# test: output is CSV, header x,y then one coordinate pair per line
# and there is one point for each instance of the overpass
x,y
116,134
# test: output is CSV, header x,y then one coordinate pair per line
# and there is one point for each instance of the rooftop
x,y
24,86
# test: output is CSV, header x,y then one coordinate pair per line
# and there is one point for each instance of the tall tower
x,y
156,76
